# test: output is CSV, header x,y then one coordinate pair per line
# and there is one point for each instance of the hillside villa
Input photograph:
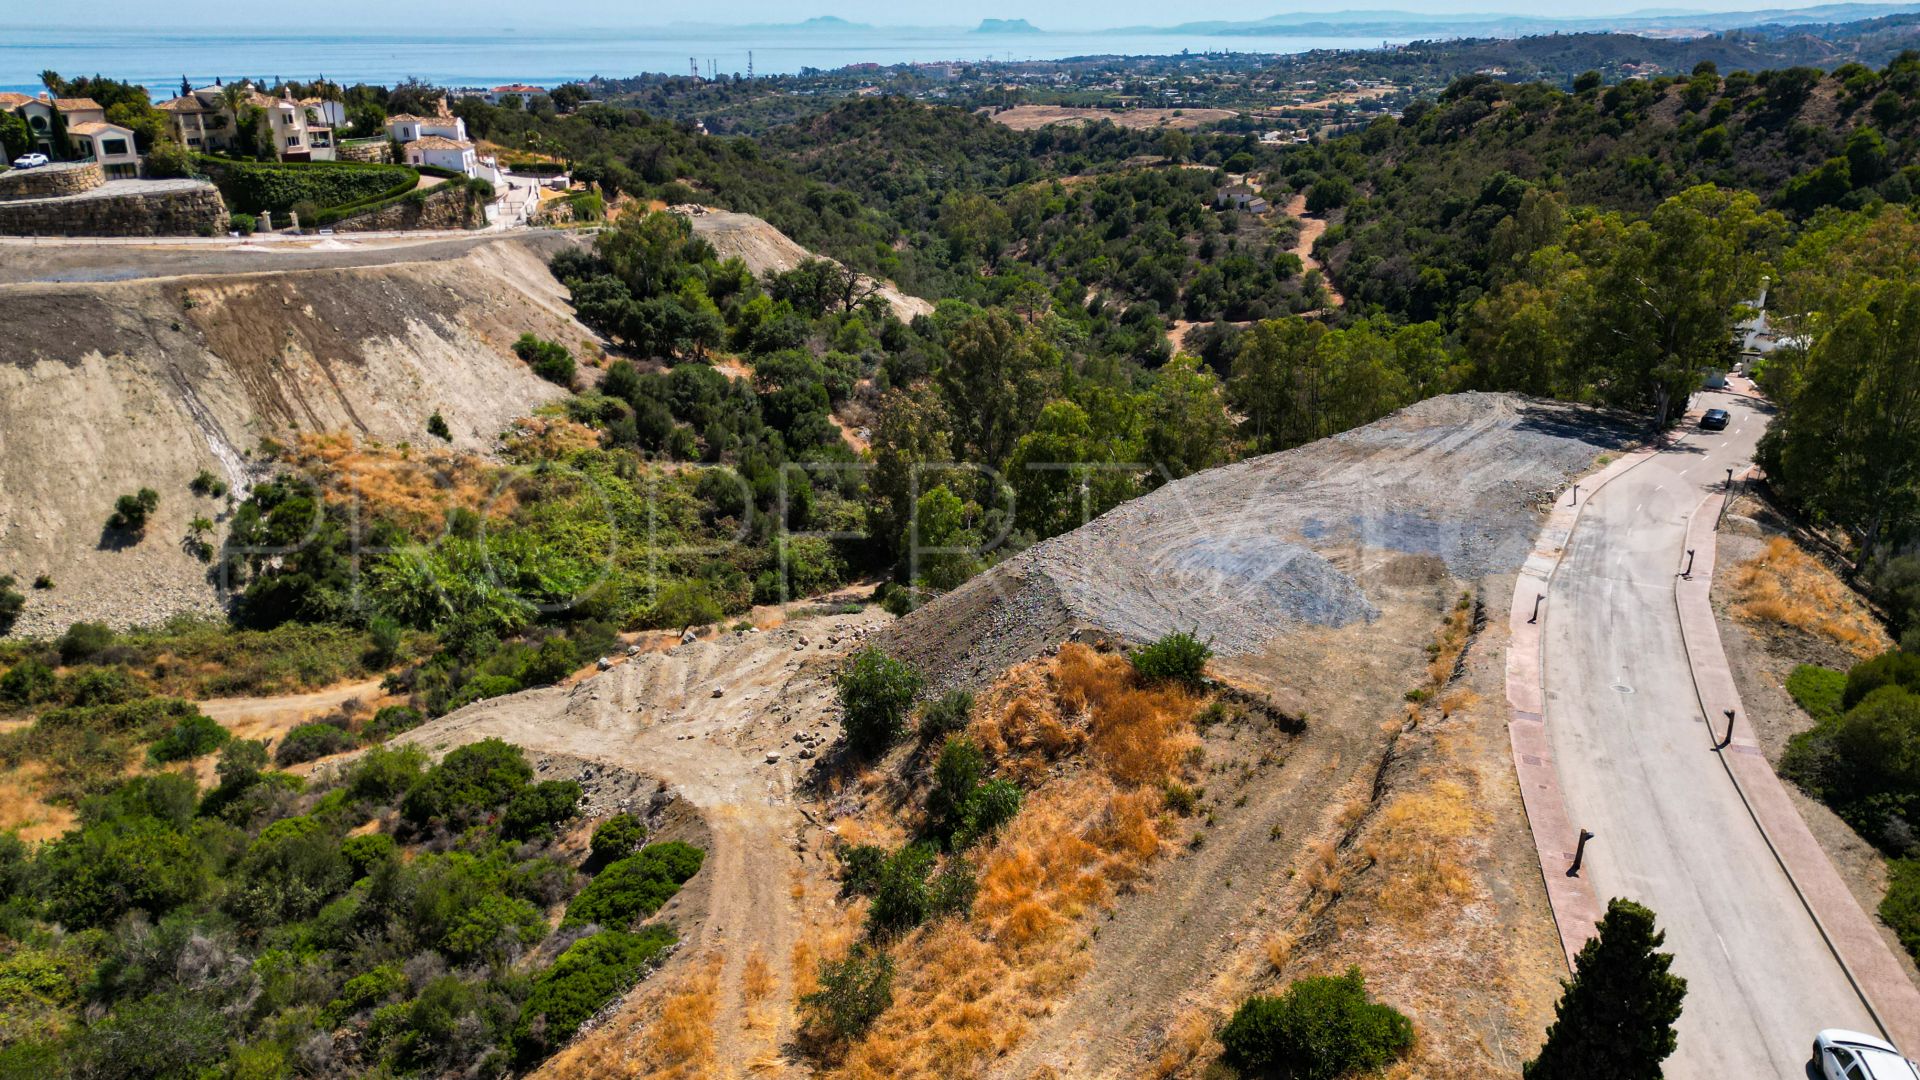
x,y
440,142
298,130
89,135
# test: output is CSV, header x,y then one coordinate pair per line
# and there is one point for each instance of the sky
x,y
1052,14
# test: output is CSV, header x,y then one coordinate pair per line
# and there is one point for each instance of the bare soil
x,y
766,249
1029,117
1311,229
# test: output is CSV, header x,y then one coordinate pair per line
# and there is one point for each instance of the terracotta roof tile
x,y
435,142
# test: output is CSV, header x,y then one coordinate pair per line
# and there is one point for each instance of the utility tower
x,y
693,67
749,65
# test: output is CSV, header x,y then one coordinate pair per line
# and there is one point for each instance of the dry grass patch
x,y
407,485
1785,588
967,989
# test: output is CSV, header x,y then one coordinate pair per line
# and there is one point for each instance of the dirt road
x,y
715,722
1311,229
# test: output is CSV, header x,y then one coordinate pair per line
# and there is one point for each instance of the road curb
x,y
1863,955
1576,908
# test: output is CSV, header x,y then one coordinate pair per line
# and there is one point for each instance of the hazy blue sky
x,y
456,15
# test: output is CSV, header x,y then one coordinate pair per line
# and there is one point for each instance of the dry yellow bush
x,y
548,437
408,486
1785,587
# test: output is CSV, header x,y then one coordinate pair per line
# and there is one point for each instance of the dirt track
x,y
1311,230
703,719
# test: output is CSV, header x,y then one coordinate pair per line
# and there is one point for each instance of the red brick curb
x,y
1576,909
1849,931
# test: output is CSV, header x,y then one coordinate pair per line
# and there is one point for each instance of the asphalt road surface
x,y
1637,769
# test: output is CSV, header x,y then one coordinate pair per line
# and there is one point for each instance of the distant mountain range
x,y
1408,25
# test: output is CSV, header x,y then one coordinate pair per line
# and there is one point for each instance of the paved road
x,y
1637,768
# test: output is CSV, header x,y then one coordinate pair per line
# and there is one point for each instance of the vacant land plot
x,y
1028,117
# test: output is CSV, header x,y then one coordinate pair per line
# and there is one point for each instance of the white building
x,y
405,127
440,152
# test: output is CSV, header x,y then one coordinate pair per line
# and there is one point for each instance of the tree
x,y
942,549
875,691
130,512
854,991
913,432
16,137
12,602
1615,1019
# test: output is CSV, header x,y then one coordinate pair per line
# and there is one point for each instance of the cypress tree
x,y
1615,1019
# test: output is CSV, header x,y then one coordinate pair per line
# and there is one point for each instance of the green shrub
x,y
535,810
854,991
293,867
194,735
391,720
437,427
383,774
130,512
615,838
1177,657
206,484
83,641
253,187
1616,1015
28,682
860,866
310,741
1318,1029
635,886
1819,691
875,691
12,602
244,224
992,806
1888,669
367,990
470,783
549,359
945,715
1900,908
482,687
901,899
956,775
364,853
97,874
592,972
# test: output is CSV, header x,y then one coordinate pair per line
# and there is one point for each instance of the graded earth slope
x,y
766,250
1317,536
108,387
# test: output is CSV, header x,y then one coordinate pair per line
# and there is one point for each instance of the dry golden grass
x,y
757,981
412,487
23,813
967,989
548,437
1415,840
1783,586
680,1042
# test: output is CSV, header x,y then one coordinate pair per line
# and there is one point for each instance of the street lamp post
x,y
1579,853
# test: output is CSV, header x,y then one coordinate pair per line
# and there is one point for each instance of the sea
x,y
159,58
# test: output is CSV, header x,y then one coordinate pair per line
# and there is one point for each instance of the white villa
x,y
441,142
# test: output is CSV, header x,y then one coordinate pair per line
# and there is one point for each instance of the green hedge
x,y
336,187
592,972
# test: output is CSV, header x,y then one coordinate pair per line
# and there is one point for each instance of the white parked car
x,y
29,161
1849,1055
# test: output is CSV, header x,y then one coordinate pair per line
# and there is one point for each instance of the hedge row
x,y
336,187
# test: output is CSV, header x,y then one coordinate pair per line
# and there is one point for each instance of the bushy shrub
x,y
391,720
536,809
1900,669
365,852
366,990
130,512
252,187
207,485
310,741
295,865
943,716
901,900
549,359
854,991
12,602
1900,908
437,427
615,838
97,874
194,735
382,774
1320,1028
1177,657
244,224
28,682
956,775
83,641
592,972
875,691
471,782
860,866
635,886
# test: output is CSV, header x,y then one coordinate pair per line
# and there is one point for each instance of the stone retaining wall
x,y
51,181
441,209
380,153
192,211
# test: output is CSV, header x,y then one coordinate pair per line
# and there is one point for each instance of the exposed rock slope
x,y
106,388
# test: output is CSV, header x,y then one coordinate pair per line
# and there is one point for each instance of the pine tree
x,y
1615,1020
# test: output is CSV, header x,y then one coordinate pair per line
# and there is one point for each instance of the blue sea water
x,y
158,59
